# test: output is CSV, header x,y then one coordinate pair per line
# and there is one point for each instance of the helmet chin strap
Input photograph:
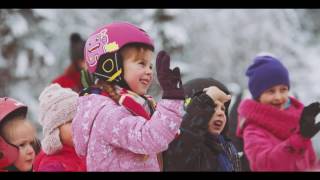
x,y
120,80
123,83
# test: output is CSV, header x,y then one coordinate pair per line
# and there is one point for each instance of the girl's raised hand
x,y
170,80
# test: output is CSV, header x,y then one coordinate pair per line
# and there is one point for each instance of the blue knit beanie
x,y
264,73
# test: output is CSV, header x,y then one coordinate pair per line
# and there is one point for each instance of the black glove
x,y
199,112
201,105
308,128
170,80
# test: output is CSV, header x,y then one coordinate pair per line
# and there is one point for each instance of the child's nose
x,y
30,149
219,112
278,96
148,70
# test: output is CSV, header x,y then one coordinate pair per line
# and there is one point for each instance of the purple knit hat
x,y
264,73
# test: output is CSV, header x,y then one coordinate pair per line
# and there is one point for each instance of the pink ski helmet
x,y
8,152
106,41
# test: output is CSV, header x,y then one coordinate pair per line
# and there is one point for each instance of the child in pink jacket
x,y
276,128
117,127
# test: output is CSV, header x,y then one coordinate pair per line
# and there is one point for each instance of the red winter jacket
x,y
64,160
71,78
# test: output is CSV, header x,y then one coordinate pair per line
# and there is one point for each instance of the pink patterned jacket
x,y
110,138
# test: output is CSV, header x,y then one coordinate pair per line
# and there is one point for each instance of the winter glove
x,y
201,105
308,128
170,80
198,113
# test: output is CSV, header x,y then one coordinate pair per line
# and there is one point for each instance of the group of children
x,y
113,125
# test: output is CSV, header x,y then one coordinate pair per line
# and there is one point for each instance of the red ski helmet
x,y
8,152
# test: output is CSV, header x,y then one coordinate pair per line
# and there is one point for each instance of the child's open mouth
x,y
145,81
218,124
278,105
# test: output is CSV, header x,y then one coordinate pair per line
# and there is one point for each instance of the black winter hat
x,y
76,47
195,87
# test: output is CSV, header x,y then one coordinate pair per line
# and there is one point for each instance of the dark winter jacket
x,y
197,150
64,160
233,121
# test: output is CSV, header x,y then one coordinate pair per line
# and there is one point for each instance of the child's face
x,y
66,134
22,134
218,120
138,69
276,96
